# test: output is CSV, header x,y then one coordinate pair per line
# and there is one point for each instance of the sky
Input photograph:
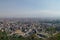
x,y
30,8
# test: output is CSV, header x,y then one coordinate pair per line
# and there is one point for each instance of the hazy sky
x,y
29,8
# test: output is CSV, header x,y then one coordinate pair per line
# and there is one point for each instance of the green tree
x,y
3,35
51,30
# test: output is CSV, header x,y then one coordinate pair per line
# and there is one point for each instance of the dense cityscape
x,y
29,19
35,29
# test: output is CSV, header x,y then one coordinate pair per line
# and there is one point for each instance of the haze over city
x,y
29,19
30,8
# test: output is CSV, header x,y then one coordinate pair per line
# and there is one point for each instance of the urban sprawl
x,y
25,27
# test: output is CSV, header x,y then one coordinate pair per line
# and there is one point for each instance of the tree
x,y
3,35
51,30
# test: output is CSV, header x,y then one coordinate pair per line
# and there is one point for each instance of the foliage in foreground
x,y
3,36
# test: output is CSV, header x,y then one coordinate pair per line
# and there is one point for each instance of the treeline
x,y
3,36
